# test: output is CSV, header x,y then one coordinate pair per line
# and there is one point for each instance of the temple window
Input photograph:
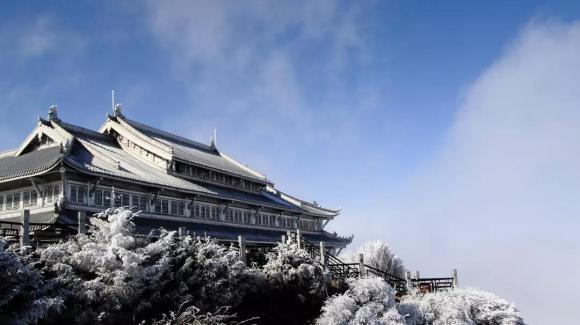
x,y
29,198
214,213
78,194
13,201
247,217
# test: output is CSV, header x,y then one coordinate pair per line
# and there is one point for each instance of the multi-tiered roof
x,y
124,152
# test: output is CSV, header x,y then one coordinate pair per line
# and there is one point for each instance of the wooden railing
x,y
342,270
34,233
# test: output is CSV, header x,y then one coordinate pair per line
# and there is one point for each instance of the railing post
x,y
82,222
323,255
409,282
299,238
182,232
361,264
455,280
25,229
417,275
242,244
283,239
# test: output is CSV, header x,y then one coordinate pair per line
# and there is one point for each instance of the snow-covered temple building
x,y
61,169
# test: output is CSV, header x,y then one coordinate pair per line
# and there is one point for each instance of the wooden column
x,y
455,280
82,222
361,264
64,190
417,276
409,282
283,239
242,244
25,229
323,255
182,232
299,238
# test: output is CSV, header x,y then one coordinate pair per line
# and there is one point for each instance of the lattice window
x,y
164,206
205,212
29,198
196,211
48,194
78,194
13,201
173,205
229,215
247,217
181,208
125,199
142,203
51,193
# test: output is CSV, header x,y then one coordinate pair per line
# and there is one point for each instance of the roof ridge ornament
x,y
53,113
213,140
117,110
117,107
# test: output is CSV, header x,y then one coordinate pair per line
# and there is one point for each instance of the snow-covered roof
x,y
101,154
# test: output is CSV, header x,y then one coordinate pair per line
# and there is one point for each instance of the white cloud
x,y
501,201
255,58
269,74
40,36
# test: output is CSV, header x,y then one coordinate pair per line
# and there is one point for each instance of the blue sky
x,y
444,128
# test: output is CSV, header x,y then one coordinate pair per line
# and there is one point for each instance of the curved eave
x,y
310,208
31,172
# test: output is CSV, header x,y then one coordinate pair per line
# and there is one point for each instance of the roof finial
x,y
213,141
116,107
52,113
117,110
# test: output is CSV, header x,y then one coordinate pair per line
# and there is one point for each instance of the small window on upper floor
x,y
78,193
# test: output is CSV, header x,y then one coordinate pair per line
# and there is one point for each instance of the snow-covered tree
x,y
112,276
290,265
460,306
25,296
369,300
379,255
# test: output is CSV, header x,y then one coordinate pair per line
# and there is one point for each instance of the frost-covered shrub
x,y
369,300
292,266
379,255
193,315
113,276
25,297
459,306
294,289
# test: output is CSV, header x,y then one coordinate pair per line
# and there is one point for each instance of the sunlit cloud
x,y
501,200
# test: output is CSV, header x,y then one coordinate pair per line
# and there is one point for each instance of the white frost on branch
x,y
369,300
379,255
24,295
290,265
461,306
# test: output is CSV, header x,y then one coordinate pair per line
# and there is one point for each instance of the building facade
x,y
61,169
